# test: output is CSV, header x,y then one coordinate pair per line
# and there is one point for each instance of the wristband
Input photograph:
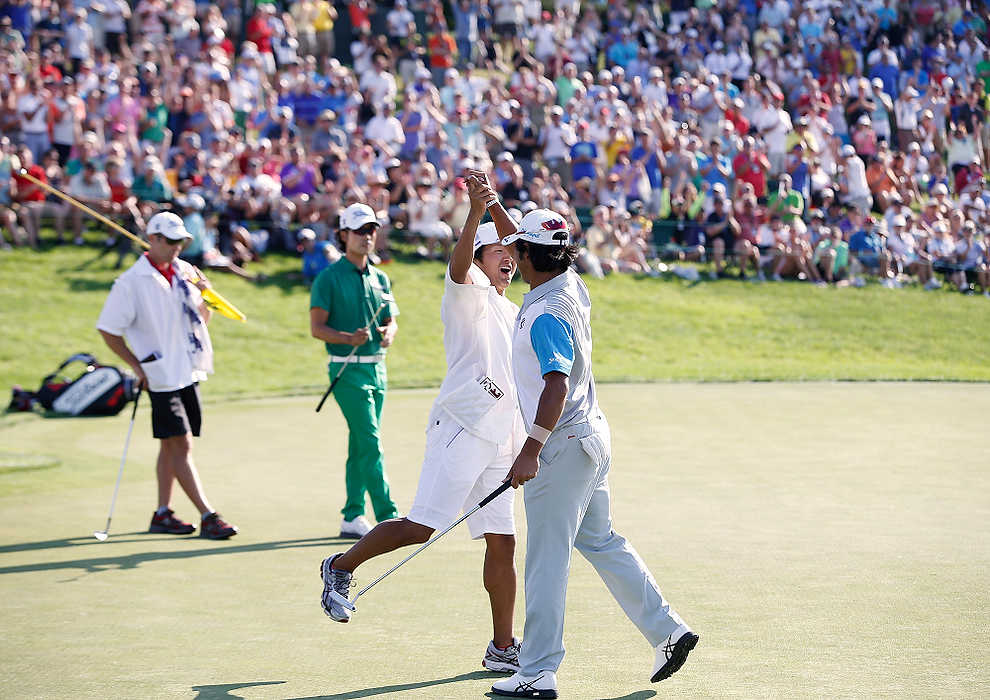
x,y
491,202
539,433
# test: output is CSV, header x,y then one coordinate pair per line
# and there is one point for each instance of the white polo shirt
x,y
155,319
553,334
478,392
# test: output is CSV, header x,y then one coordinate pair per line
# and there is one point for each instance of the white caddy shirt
x,y
149,314
478,391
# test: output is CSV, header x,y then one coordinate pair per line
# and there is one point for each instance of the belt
x,y
358,359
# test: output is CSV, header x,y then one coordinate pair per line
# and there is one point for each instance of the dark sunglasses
x,y
169,241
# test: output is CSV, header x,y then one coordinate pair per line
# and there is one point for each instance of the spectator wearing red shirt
x,y
751,166
360,15
734,114
259,31
30,196
443,51
969,177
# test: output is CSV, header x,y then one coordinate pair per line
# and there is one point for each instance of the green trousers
x,y
360,393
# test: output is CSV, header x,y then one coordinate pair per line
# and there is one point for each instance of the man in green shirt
x,y
832,257
344,299
786,202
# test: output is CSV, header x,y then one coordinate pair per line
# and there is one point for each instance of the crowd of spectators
x,y
812,139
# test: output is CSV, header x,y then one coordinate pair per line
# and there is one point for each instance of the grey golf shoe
x,y
502,660
334,581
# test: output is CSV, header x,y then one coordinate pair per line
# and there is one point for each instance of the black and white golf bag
x,y
101,390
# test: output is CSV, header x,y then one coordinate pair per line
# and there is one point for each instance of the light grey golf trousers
x,y
567,506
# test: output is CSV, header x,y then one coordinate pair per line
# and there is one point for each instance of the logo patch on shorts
x,y
491,387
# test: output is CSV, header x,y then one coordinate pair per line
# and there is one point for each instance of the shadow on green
x,y
133,561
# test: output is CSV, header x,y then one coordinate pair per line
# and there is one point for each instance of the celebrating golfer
x,y
344,301
566,461
163,318
470,435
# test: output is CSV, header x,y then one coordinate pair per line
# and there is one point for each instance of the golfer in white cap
x,y
158,307
472,434
566,459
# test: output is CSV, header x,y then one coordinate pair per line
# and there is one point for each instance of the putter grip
x,y
495,494
326,394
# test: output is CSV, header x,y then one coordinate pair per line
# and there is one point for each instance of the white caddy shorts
x,y
459,470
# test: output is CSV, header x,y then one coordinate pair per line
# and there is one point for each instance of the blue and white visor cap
x,y
356,216
543,227
486,235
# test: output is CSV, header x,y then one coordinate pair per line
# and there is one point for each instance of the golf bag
x,y
101,390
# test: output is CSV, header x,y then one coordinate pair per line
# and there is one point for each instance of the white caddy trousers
x,y
567,506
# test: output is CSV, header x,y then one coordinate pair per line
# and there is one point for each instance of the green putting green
x,y
825,540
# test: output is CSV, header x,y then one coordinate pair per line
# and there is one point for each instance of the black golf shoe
x,y
215,528
168,524
673,652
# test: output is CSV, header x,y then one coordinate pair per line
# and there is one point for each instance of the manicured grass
x,y
827,540
645,329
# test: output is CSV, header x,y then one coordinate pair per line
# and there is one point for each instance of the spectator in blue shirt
x,y
868,245
647,152
714,167
886,15
316,255
584,155
19,12
623,51
889,73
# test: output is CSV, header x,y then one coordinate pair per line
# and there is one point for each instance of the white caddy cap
x,y
169,225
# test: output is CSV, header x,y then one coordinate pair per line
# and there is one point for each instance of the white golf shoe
x,y
543,685
502,660
673,652
334,581
354,529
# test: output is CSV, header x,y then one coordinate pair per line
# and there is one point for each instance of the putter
x,y
103,534
386,299
349,604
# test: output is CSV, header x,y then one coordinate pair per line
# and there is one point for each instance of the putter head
x,y
101,535
342,601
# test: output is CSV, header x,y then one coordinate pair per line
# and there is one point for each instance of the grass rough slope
x,y
645,329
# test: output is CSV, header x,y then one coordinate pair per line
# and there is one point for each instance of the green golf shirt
x,y
351,296
841,254
793,199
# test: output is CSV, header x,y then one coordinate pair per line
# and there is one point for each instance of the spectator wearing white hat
x,y
907,110
774,124
906,256
854,190
317,255
400,23
864,137
882,111
556,138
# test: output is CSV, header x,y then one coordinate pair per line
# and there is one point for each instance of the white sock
x,y
162,510
207,514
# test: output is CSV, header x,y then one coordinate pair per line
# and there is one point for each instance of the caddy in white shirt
x,y
472,434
